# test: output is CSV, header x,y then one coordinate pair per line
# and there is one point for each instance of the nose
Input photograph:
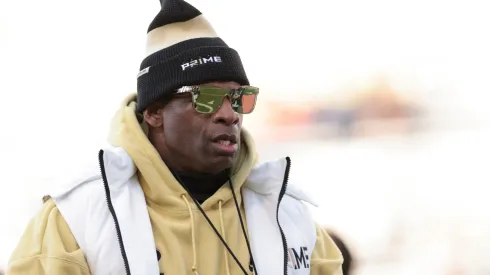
x,y
225,114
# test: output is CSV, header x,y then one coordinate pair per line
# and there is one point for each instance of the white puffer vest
x,y
281,231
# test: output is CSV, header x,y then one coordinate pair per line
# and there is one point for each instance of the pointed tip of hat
x,y
173,11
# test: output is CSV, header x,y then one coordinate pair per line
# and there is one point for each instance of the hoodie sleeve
x,y
48,247
326,258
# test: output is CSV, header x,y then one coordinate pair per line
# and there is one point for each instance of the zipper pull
x,y
251,267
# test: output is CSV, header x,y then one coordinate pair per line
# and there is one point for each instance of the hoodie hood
x,y
159,185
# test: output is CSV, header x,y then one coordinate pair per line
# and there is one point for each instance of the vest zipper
x,y
113,212
281,194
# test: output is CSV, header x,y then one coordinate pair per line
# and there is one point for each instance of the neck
x,y
202,186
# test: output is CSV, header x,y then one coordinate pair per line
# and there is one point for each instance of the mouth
x,y
226,144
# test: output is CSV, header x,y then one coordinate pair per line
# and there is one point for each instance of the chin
x,y
222,163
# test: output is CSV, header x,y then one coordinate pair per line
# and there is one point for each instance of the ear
x,y
154,118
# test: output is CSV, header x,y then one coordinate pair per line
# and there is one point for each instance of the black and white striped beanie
x,y
183,49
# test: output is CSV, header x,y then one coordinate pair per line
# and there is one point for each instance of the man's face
x,y
195,142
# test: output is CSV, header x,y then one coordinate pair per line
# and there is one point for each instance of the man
x,y
179,191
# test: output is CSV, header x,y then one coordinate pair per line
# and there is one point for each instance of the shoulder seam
x,y
71,187
302,198
51,258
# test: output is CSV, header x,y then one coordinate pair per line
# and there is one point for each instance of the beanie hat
x,y
183,49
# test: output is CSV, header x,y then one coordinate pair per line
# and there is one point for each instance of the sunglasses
x,y
208,99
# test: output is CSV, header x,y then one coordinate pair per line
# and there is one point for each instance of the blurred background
x,y
382,106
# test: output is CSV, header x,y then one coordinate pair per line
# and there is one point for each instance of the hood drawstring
x,y
193,234
251,266
194,266
227,264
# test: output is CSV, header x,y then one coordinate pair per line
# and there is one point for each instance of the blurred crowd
x,y
415,184
377,109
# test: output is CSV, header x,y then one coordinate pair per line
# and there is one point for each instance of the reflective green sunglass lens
x,y
209,99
